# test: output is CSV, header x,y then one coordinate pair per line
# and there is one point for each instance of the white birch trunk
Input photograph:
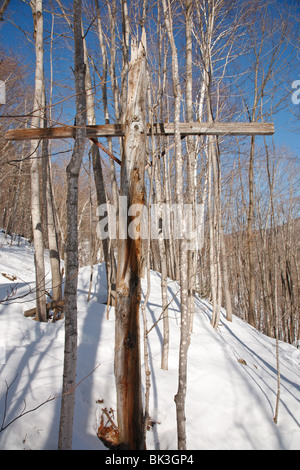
x,y
191,167
50,215
73,169
37,12
184,330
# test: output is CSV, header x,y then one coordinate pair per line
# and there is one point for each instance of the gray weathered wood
x,y
164,129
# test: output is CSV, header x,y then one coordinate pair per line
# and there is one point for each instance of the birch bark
x,y
191,164
37,12
70,294
50,217
184,329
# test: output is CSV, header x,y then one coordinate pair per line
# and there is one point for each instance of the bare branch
x,y
23,412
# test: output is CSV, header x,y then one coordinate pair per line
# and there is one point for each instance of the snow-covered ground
x,y
232,375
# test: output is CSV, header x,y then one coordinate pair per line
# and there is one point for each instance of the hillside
x,y
232,371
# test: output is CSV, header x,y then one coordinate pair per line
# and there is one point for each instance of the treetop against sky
x,y
16,38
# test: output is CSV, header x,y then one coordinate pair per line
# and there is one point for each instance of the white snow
x,y
229,405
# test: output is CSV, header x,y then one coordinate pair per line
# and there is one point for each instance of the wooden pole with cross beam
x,y
157,129
134,131
127,361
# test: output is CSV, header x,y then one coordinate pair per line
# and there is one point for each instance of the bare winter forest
x,y
154,135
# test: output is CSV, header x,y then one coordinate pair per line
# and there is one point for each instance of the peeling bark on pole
x,y
127,342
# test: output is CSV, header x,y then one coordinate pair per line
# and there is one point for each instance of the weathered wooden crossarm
x,y
163,129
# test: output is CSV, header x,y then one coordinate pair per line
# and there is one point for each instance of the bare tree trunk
x,y
212,234
144,305
226,288
163,260
277,342
110,263
73,169
163,268
217,226
50,217
191,165
105,67
3,8
92,243
37,12
110,257
183,265
159,200
206,39
251,306
127,329
275,255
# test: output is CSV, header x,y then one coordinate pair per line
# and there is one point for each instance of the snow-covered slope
x,y
231,391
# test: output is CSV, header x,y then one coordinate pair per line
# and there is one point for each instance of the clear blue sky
x,y
287,126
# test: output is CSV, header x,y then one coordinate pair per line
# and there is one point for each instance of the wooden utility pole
x,y
134,131
127,334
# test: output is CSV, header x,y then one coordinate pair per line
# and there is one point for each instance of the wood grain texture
x,y
164,129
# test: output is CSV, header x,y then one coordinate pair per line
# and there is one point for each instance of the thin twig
x,y
23,413
162,312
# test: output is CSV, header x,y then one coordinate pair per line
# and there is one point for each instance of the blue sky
x,y
287,126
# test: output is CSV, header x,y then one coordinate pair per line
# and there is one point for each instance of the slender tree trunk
x,y
73,169
50,217
3,8
105,67
159,200
251,306
274,234
37,12
11,221
92,243
163,262
110,262
109,249
163,268
183,264
207,27
191,165
127,329
217,226
212,247
144,305
226,288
